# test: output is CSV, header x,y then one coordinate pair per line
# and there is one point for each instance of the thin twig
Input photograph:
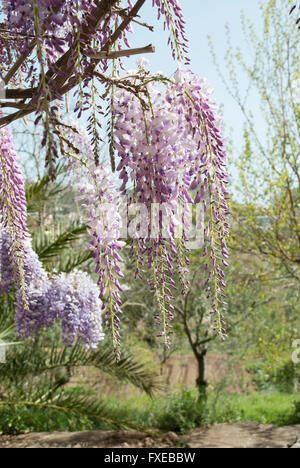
x,y
124,14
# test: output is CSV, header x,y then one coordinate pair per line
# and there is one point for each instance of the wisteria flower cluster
x,y
13,212
49,48
177,157
72,299
102,206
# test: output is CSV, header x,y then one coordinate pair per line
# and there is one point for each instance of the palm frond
x,y
127,369
6,332
73,260
36,360
6,316
39,396
50,244
42,190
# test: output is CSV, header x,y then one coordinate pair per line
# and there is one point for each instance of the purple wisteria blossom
x,y
74,299
177,158
6,265
13,212
174,20
29,321
71,299
101,201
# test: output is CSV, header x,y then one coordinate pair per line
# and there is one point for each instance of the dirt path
x,y
243,435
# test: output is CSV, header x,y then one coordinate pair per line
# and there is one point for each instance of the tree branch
x,y
62,63
20,93
150,49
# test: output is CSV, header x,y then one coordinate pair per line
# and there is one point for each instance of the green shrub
x,y
22,419
281,377
180,413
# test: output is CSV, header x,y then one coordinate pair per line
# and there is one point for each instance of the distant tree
x,y
267,222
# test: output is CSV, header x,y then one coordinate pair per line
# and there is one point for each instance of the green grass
x,y
277,408
178,411
181,412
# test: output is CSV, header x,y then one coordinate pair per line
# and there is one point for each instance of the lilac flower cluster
x,y
177,156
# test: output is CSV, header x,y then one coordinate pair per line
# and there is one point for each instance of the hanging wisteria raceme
x,y
147,162
101,202
174,21
179,152
29,321
210,177
13,211
71,299
6,265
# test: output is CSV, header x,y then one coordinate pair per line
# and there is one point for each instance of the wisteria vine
x,y
166,150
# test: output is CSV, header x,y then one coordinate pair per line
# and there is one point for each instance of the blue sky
x,y
205,18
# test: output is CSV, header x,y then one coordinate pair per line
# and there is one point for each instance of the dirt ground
x,y
242,435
